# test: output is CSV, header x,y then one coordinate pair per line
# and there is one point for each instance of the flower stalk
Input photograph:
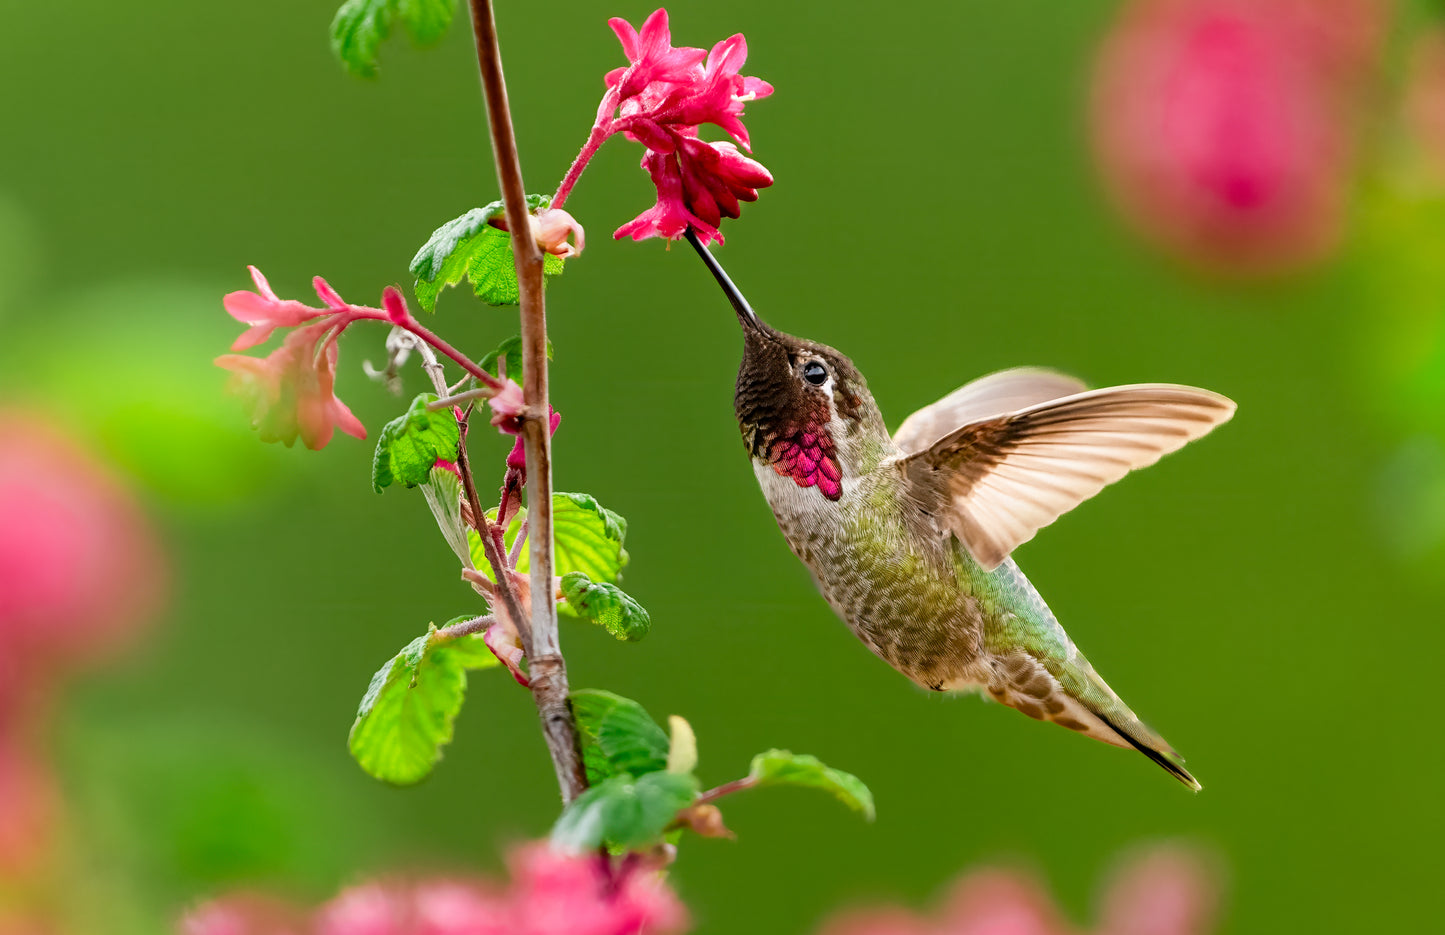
x,y
546,667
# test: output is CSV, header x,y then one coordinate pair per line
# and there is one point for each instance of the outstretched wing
x,y
995,394
999,480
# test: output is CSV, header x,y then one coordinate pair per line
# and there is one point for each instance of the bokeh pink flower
x,y
1225,129
82,572
291,391
549,894
1165,891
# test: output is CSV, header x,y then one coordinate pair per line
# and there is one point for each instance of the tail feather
x,y
1160,753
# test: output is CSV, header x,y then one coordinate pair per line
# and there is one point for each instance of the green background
x,y
1270,598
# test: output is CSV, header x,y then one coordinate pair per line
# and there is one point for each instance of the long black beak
x,y
746,316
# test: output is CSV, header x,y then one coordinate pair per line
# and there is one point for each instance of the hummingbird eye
x,y
815,373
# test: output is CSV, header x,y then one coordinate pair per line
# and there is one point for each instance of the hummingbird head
x,y
803,408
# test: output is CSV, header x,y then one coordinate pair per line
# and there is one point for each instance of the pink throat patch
x,y
810,459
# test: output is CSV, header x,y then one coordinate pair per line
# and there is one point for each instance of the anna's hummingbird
x,y
908,537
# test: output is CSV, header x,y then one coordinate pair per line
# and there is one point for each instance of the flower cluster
x,y
81,571
1224,127
292,391
1167,891
550,894
659,100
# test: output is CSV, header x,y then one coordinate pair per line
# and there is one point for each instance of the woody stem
x,y
545,665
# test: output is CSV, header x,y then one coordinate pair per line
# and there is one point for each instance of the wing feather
x,y
984,398
999,480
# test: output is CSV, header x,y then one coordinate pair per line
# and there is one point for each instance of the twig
x,y
727,788
545,664
501,571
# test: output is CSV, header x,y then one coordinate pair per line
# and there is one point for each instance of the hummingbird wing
x,y
998,481
995,394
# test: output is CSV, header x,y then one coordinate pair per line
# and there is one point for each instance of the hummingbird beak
x,y
746,316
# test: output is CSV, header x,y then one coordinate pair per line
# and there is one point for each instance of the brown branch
x,y
545,665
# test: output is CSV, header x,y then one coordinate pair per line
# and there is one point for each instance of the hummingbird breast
x,y
888,571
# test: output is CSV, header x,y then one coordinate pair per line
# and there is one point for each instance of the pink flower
x,y
551,894
556,894
291,391
243,914
654,62
81,567
1166,891
264,312
508,406
517,457
1223,126
660,100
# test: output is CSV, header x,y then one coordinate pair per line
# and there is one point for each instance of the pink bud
x,y
552,227
395,306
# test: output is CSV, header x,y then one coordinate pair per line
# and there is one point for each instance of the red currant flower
x,y
659,100
291,391
264,312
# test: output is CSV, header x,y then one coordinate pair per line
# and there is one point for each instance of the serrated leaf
x,y
618,735
784,768
623,812
469,247
606,605
360,26
406,715
410,445
586,537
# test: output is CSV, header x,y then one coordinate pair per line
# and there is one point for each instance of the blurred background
x,y
1160,190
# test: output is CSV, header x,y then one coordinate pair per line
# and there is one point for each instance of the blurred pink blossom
x,y
1165,891
81,568
550,894
244,914
1224,128
291,391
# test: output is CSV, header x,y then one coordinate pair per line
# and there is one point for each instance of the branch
x,y
545,665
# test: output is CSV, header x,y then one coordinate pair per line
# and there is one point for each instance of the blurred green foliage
x,y
935,216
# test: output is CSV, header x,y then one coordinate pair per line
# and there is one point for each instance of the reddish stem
x,y
595,139
727,788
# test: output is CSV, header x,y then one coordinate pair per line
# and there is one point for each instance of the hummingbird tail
x,y
1075,697
1159,752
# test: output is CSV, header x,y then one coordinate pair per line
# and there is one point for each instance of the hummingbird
x,y
909,536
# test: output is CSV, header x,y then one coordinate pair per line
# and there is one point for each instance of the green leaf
x,y
360,26
406,715
511,349
782,768
606,605
443,492
618,736
586,537
623,812
410,445
469,247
